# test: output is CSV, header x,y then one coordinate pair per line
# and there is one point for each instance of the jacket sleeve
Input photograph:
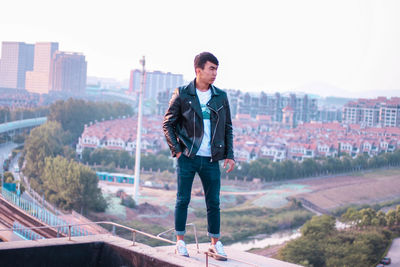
x,y
171,119
228,132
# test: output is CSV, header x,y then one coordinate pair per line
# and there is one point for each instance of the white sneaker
x,y
181,248
218,249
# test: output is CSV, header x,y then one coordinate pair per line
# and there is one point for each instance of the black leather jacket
x,y
183,123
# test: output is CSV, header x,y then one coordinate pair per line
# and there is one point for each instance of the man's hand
x,y
178,155
231,164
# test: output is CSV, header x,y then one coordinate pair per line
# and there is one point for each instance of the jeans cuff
x,y
214,235
180,232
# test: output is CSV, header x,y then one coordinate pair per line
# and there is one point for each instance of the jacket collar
x,y
192,88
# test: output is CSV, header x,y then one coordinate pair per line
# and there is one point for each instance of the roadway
x,y
5,150
394,253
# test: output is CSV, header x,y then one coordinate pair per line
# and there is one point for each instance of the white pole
x,y
139,133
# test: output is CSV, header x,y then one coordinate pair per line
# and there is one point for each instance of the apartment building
x,y
68,72
381,111
16,60
38,80
155,82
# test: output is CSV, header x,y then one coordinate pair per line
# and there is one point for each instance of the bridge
x,y
12,127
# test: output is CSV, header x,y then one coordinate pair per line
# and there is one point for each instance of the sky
x,y
346,48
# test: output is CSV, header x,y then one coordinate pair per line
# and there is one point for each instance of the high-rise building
x,y
37,81
155,82
68,72
389,113
16,60
373,112
255,104
134,81
329,114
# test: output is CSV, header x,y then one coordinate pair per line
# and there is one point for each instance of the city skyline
x,y
341,48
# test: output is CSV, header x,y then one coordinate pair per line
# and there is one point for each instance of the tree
x,y
290,169
71,185
338,248
319,227
367,215
86,155
8,177
309,167
44,141
361,161
391,218
380,219
73,114
125,160
305,251
255,169
102,156
398,215
352,216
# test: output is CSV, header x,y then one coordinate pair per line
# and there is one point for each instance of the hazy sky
x,y
342,48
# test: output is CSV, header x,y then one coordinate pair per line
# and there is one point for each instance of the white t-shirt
x,y
205,147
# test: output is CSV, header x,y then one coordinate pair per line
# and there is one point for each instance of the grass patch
x,y
238,224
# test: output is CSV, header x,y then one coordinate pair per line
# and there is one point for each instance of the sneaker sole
x,y
217,257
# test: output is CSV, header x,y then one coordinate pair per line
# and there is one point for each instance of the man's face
x,y
208,74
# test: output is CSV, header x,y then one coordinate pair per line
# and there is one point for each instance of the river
x,y
263,241
277,238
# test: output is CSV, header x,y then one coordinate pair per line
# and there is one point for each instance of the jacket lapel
x,y
195,99
213,103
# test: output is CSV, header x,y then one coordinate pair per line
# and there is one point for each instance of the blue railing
x,y
25,233
43,214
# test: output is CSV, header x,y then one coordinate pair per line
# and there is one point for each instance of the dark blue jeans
x,y
210,176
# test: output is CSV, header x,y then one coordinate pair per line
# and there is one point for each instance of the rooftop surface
x,y
102,250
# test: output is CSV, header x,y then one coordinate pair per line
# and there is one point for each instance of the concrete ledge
x,y
108,250
89,251
244,259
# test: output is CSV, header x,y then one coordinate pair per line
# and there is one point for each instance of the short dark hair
x,y
201,59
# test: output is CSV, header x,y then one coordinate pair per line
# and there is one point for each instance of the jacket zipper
x,y
215,130
194,130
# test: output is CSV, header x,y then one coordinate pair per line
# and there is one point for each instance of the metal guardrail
x,y
42,214
24,232
134,233
39,199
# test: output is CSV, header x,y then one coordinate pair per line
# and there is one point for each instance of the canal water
x,y
263,241
278,238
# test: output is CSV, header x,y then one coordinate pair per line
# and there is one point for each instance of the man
x,y
198,129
